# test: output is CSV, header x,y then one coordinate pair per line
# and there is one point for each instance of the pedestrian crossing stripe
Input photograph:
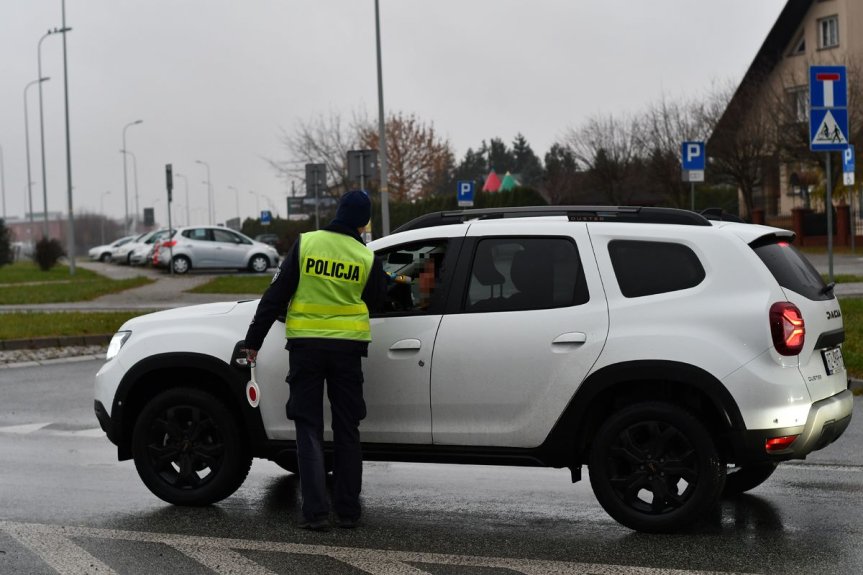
x,y
56,546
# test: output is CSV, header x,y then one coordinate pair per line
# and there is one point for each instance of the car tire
x,y
105,258
181,265
741,479
188,448
654,467
259,263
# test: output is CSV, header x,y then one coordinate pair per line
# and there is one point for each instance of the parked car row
x,y
187,248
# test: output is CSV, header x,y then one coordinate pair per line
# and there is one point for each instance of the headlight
x,y
116,343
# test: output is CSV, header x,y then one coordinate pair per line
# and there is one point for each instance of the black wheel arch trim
x,y
230,382
567,438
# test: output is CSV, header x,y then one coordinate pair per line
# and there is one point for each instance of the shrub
x,y
48,251
5,245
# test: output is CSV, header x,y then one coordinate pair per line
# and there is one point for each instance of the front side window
x,y
225,236
828,32
517,274
416,271
647,268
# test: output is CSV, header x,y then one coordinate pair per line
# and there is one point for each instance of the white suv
x,y
678,358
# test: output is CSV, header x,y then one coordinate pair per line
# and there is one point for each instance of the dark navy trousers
x,y
343,374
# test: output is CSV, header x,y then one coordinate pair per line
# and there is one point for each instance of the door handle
x,y
573,337
406,345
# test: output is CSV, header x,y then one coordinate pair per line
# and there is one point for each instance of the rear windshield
x,y
791,269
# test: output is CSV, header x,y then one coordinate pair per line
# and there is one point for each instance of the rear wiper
x,y
828,288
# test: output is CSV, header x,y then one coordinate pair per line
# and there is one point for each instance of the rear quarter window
x,y
647,268
791,269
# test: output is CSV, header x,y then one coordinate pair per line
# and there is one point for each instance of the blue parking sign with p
x,y
464,192
693,155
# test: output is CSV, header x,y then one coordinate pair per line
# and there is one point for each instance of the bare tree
x,y
321,140
418,157
609,149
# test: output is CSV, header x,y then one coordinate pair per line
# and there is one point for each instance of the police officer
x,y
329,282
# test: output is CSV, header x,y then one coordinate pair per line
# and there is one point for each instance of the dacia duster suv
x,y
679,358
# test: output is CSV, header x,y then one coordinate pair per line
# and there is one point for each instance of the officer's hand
x,y
251,355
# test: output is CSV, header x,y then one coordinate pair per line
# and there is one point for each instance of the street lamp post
x,y
382,134
237,196
257,203
102,213
186,181
211,213
125,177
27,146
42,129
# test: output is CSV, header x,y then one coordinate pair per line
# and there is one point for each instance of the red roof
x,y
492,183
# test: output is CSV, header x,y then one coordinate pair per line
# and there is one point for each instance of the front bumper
x,y
827,420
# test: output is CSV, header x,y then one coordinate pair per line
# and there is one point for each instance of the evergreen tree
x,y
527,164
5,245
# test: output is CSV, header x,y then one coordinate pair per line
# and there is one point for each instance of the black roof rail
x,y
645,215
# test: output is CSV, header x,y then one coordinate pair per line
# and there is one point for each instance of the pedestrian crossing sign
x,y
828,129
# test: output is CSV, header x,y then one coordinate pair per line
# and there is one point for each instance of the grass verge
x,y
24,283
235,285
852,349
36,324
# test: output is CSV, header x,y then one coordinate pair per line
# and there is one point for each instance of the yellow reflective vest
x,y
328,302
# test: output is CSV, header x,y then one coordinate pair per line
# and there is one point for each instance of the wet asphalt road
x,y
67,506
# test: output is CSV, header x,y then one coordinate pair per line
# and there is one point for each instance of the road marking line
x,y
65,557
222,561
374,561
24,429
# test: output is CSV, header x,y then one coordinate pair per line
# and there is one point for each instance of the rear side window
x,y
649,268
516,274
791,269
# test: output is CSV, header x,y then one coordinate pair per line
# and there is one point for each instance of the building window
x,y
828,32
798,46
798,103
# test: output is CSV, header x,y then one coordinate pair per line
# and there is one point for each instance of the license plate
x,y
833,360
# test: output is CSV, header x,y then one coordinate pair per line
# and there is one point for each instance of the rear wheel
x,y
741,479
654,467
181,264
188,449
259,263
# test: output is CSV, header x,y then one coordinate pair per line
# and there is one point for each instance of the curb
x,y
60,341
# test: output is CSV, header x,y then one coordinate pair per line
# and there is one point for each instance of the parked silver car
x,y
142,254
200,247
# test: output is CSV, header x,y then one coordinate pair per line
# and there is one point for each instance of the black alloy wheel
x,y
654,467
188,448
740,479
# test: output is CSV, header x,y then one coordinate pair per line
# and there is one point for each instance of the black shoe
x,y
320,524
347,523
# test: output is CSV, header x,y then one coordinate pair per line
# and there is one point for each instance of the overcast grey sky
x,y
216,80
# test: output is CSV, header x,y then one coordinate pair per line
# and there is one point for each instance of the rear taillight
x,y
774,444
787,328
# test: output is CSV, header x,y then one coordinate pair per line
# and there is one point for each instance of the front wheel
x,y
654,467
188,449
105,258
741,479
259,263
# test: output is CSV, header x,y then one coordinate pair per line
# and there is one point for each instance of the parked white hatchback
x,y
202,247
103,253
